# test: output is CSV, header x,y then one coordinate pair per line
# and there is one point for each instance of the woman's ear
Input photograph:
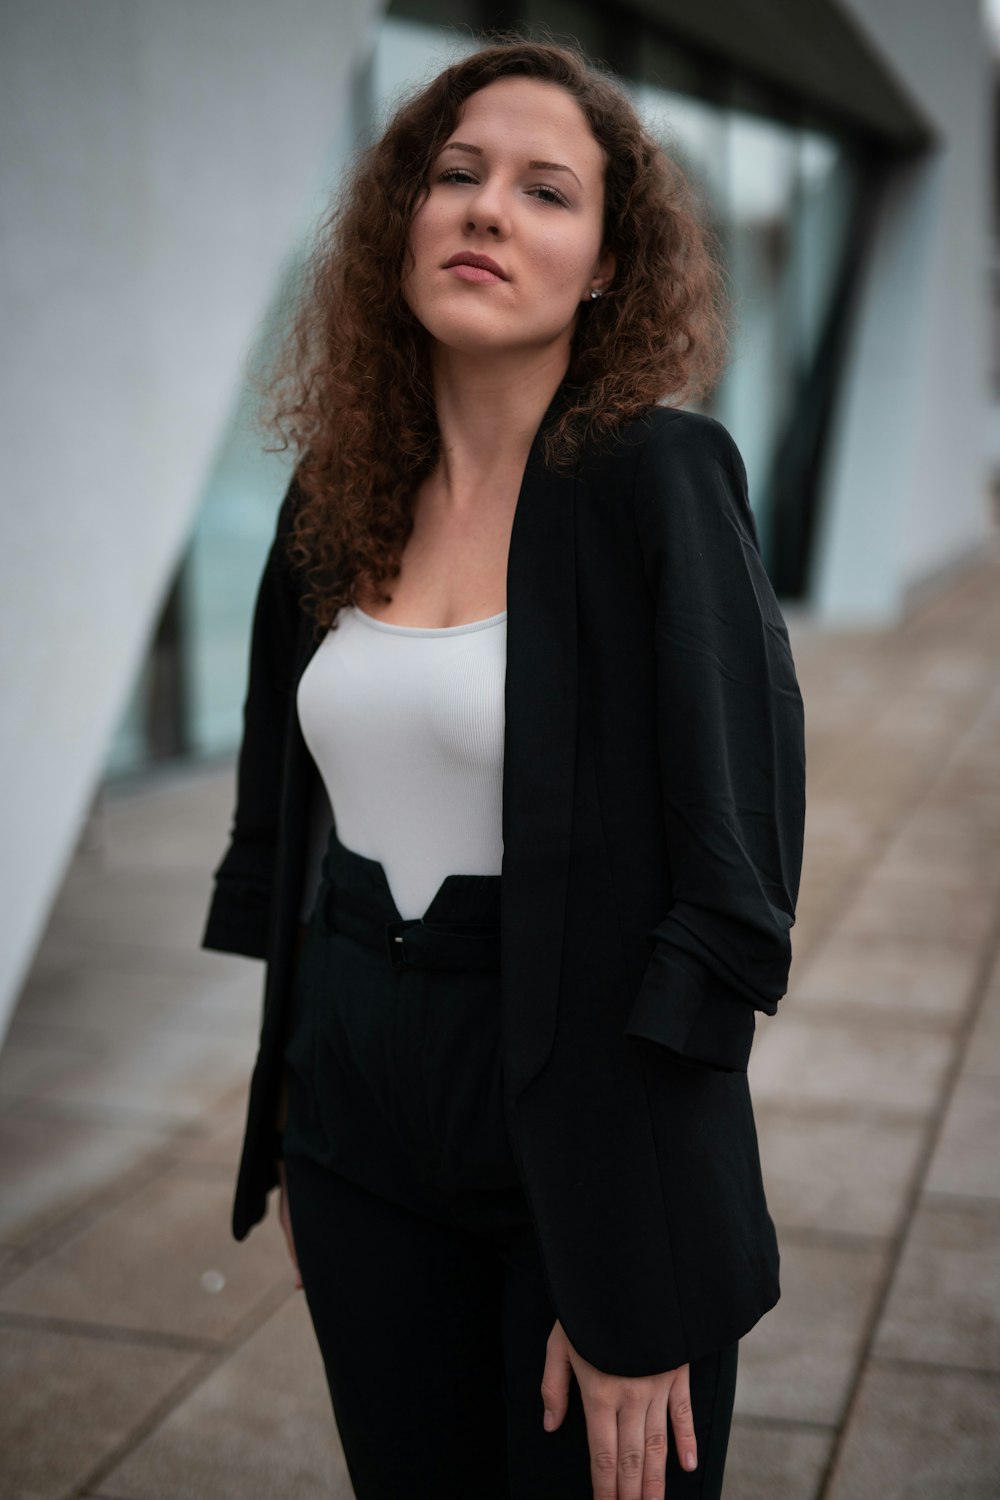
x,y
601,276
605,270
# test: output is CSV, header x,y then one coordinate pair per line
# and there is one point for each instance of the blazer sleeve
x,y
239,913
731,750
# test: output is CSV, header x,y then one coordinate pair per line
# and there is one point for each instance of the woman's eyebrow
x,y
543,166
553,166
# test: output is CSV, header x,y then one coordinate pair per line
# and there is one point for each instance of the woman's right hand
x,y
286,1222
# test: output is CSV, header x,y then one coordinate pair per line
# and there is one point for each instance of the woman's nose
x,y
486,213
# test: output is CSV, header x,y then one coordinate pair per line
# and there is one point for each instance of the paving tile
x,y
775,1461
12,1261
812,926
880,801
51,1162
841,1173
943,854
877,770
167,1073
916,725
61,955
982,1056
835,825
944,1306
973,766
967,1158
165,909
971,775
95,997
950,836
261,1424
950,673
68,1400
828,875
797,1363
918,1431
228,1108
822,895
181,825
856,1063
163,1261
848,973
894,905
917,732
219,1146
33,1057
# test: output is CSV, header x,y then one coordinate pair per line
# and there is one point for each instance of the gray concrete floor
x,y
145,1355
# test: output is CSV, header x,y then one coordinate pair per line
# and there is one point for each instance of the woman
x,y
515,640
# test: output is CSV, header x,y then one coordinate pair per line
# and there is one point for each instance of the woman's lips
x,y
473,273
468,265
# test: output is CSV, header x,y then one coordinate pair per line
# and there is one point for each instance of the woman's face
x,y
519,184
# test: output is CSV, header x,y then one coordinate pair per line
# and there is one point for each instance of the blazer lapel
x,y
539,759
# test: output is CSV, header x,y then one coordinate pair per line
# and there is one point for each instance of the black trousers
x,y
420,1263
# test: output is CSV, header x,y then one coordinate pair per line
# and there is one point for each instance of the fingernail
x,y
547,1421
689,1461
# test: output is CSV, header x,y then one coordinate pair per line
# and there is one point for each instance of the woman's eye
x,y
541,190
548,194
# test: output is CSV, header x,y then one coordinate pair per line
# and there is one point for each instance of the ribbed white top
x,y
406,725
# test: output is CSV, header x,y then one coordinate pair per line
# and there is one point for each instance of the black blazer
x,y
653,817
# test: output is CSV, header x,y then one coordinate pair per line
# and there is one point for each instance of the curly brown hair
x,y
350,388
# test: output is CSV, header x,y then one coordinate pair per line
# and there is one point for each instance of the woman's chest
x,y
453,569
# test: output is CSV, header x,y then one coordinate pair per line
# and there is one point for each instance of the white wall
x,y
159,161
907,487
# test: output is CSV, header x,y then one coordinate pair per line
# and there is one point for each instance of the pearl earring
x,y
595,292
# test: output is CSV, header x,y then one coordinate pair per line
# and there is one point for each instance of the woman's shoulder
x,y
664,427
661,449
689,481
663,437
671,445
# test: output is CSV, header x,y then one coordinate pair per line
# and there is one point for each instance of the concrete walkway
x,y
147,1356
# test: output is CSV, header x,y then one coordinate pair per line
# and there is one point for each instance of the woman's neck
x,y
488,415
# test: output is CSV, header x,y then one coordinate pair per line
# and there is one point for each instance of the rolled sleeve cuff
x,y
237,920
685,1007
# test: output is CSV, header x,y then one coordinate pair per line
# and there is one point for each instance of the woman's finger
x,y
602,1439
654,1474
555,1379
632,1446
682,1418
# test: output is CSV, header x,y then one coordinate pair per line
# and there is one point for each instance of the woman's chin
x,y
499,343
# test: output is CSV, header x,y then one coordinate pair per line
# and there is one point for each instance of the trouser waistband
x,y
413,942
460,930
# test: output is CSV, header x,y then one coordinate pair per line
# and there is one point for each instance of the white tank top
x,y
406,725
